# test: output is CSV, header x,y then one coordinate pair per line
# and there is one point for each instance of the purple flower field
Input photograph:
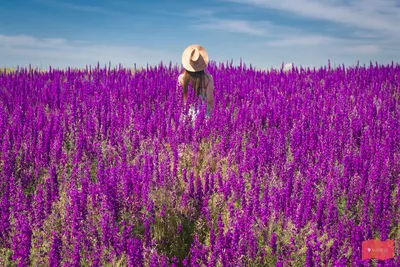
x,y
100,167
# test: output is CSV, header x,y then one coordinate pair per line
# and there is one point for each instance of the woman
x,y
194,61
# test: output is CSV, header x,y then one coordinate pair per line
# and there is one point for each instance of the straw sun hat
x,y
194,58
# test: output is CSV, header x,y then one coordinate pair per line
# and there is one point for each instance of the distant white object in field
x,y
287,67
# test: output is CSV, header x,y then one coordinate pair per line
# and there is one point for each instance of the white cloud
x,y
382,15
85,8
30,41
362,49
58,52
370,28
97,9
338,45
239,26
307,40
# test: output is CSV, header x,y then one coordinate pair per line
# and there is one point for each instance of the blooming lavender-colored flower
x,y
273,243
4,217
309,257
22,240
135,252
55,251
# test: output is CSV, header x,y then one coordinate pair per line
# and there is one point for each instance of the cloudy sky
x,y
264,33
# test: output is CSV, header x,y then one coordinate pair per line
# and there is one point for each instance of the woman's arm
x,y
179,85
210,95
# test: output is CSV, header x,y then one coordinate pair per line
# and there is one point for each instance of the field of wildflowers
x,y
98,167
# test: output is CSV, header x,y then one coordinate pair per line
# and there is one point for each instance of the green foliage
x,y
5,258
6,70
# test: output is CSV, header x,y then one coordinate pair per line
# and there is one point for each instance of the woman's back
x,y
203,89
194,61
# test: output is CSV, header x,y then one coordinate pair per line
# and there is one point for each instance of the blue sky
x,y
264,33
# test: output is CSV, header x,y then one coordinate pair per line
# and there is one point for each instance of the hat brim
x,y
201,65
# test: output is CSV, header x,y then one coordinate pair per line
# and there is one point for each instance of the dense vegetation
x,y
101,167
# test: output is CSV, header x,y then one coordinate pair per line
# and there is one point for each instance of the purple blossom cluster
x,y
99,167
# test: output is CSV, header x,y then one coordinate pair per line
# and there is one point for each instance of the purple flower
x,y
21,241
55,251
